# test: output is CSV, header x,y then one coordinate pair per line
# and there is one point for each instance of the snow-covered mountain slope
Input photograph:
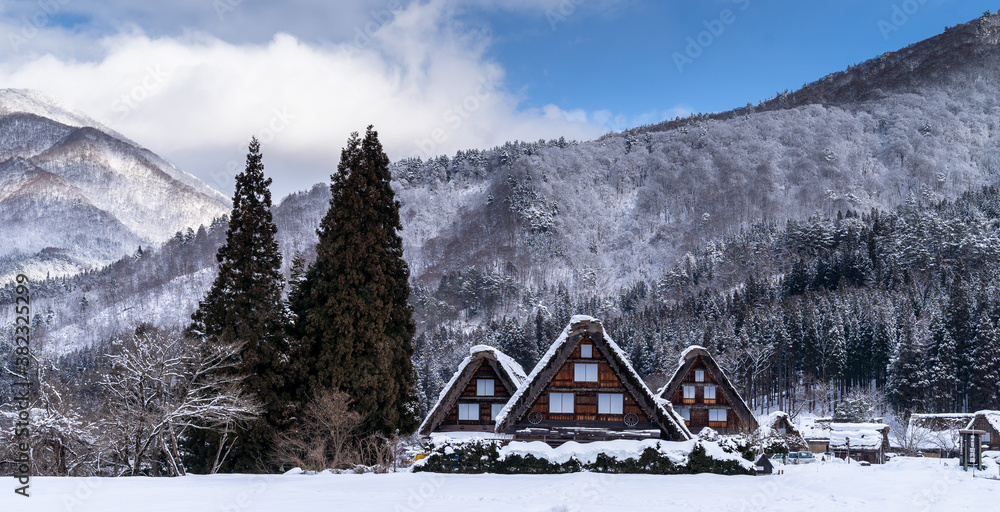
x,y
71,186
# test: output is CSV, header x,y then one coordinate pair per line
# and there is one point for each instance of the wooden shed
x,y
860,441
475,395
585,389
988,421
702,394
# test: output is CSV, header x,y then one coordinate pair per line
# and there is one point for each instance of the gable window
x,y
586,350
709,394
610,403
716,416
684,412
561,403
495,411
484,387
699,375
468,412
585,372
688,394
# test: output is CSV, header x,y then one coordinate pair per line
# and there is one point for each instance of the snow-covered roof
x,y
665,408
861,435
543,362
683,357
992,417
510,366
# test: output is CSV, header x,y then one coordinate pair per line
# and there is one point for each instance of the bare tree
x,y
321,439
162,384
909,437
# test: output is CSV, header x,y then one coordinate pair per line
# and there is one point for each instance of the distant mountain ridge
x,y
76,195
521,220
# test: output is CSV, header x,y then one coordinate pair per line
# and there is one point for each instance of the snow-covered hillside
x,y
70,184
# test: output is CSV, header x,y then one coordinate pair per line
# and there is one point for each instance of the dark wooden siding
x,y
500,396
700,405
585,399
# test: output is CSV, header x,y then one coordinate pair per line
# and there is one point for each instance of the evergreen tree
x,y
986,379
906,375
245,305
353,322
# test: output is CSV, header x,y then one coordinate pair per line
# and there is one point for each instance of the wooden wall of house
x,y
585,397
485,423
980,423
699,406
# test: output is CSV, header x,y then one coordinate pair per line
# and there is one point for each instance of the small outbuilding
x,y
476,393
860,441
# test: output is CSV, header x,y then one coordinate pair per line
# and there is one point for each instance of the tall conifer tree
x,y
353,321
245,305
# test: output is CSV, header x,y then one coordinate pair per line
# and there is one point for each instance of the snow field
x,y
904,484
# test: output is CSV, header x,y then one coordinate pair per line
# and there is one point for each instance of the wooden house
x,y
585,389
702,394
471,401
989,422
860,441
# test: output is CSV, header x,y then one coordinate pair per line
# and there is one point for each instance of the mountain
x,y
548,227
76,195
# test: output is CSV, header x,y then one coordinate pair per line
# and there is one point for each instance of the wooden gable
x,y
583,389
981,422
466,404
702,393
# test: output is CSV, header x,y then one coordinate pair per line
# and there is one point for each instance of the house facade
x,y
476,393
585,389
988,421
702,394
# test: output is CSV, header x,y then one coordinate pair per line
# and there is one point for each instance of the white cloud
x,y
421,79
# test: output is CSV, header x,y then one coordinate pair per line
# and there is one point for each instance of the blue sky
x,y
622,58
194,79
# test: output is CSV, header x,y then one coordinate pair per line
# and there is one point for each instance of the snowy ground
x,y
910,485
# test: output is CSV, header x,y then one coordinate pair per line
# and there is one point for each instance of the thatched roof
x,y
538,381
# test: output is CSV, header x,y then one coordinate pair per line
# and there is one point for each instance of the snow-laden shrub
x,y
633,457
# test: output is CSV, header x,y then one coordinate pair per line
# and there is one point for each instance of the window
x,y
610,403
684,412
584,372
718,415
495,411
699,375
985,438
689,394
484,387
561,403
586,350
709,393
468,412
